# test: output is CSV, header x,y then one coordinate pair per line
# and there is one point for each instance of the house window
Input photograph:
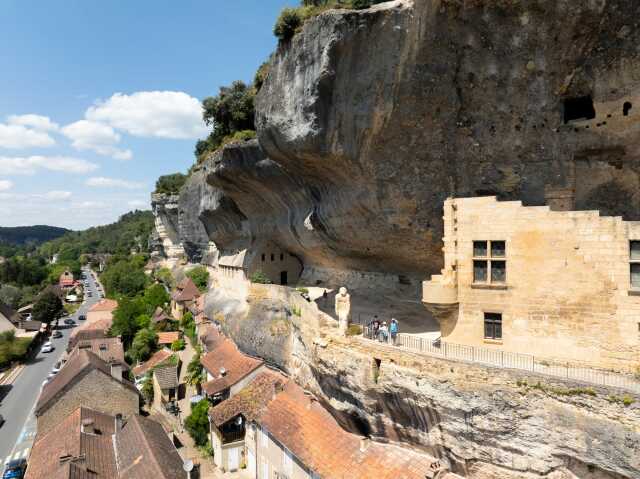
x,y
489,262
634,263
273,257
281,257
493,326
263,258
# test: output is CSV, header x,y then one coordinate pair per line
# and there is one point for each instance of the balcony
x,y
440,297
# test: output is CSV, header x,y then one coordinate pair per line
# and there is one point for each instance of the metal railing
x,y
507,360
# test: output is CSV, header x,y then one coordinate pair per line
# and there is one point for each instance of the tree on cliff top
x,y
170,184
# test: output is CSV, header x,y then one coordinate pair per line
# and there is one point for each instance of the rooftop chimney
x,y
223,371
118,422
116,371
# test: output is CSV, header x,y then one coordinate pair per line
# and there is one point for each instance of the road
x,y
19,430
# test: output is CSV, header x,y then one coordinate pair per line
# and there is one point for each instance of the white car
x,y
47,347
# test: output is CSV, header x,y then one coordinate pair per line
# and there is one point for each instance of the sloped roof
x,y
237,366
158,358
168,337
145,451
90,330
10,314
167,376
251,401
186,291
210,337
88,455
109,350
159,315
104,305
309,431
80,363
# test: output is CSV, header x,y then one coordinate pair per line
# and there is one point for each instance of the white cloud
x,y
98,137
31,164
161,114
138,203
102,182
57,195
37,122
19,136
5,185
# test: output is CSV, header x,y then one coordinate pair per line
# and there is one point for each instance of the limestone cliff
x,y
484,422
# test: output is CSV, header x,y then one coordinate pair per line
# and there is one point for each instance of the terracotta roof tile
x,y
251,401
210,337
236,366
109,350
186,291
104,305
145,451
306,429
168,337
87,455
159,315
91,330
158,358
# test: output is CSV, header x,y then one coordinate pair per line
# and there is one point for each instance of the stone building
x,y
556,284
86,380
183,298
102,310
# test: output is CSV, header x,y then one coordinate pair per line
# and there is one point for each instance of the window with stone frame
x,y
493,326
489,262
634,263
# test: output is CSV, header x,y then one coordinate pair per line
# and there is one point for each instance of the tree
x,y
124,278
164,276
197,423
47,307
170,184
200,277
287,24
125,318
177,345
12,348
154,296
147,388
195,372
144,345
10,295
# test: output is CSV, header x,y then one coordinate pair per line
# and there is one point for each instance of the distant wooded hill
x,y
23,235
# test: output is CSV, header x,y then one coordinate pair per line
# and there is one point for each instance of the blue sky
x,y
100,97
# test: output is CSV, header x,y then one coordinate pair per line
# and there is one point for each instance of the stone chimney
x,y
116,371
119,423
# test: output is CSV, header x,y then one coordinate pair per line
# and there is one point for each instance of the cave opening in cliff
x,y
580,108
626,108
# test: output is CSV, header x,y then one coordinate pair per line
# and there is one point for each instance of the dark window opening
x,y
580,108
273,257
480,271
283,278
626,108
263,257
493,326
281,257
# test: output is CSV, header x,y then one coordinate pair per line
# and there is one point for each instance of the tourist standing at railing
x,y
383,333
393,330
376,327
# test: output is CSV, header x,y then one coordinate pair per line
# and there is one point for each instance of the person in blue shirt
x,y
393,330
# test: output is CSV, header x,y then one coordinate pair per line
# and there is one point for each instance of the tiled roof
x,y
309,431
145,451
80,362
9,313
167,376
186,291
141,449
157,358
210,337
159,315
168,337
104,305
251,401
236,365
86,455
109,350
90,330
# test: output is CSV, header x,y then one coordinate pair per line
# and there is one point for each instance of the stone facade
x,y
557,283
95,390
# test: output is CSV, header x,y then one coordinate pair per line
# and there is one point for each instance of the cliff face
x,y
383,113
483,422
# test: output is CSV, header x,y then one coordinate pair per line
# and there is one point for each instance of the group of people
x,y
382,332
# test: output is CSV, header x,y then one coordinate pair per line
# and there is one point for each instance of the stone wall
x,y
567,293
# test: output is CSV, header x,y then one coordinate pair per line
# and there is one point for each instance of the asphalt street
x,y
18,404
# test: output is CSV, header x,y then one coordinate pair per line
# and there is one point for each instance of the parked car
x,y
15,469
82,317
69,322
56,334
56,368
47,347
89,294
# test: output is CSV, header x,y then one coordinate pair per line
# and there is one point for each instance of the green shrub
x,y
197,423
354,330
287,24
170,184
12,348
260,278
147,389
207,450
177,345
200,277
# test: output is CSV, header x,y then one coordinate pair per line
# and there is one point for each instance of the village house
x,y
161,320
165,385
91,444
209,337
562,285
66,280
168,338
102,310
11,320
158,358
183,298
110,350
86,380
228,371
